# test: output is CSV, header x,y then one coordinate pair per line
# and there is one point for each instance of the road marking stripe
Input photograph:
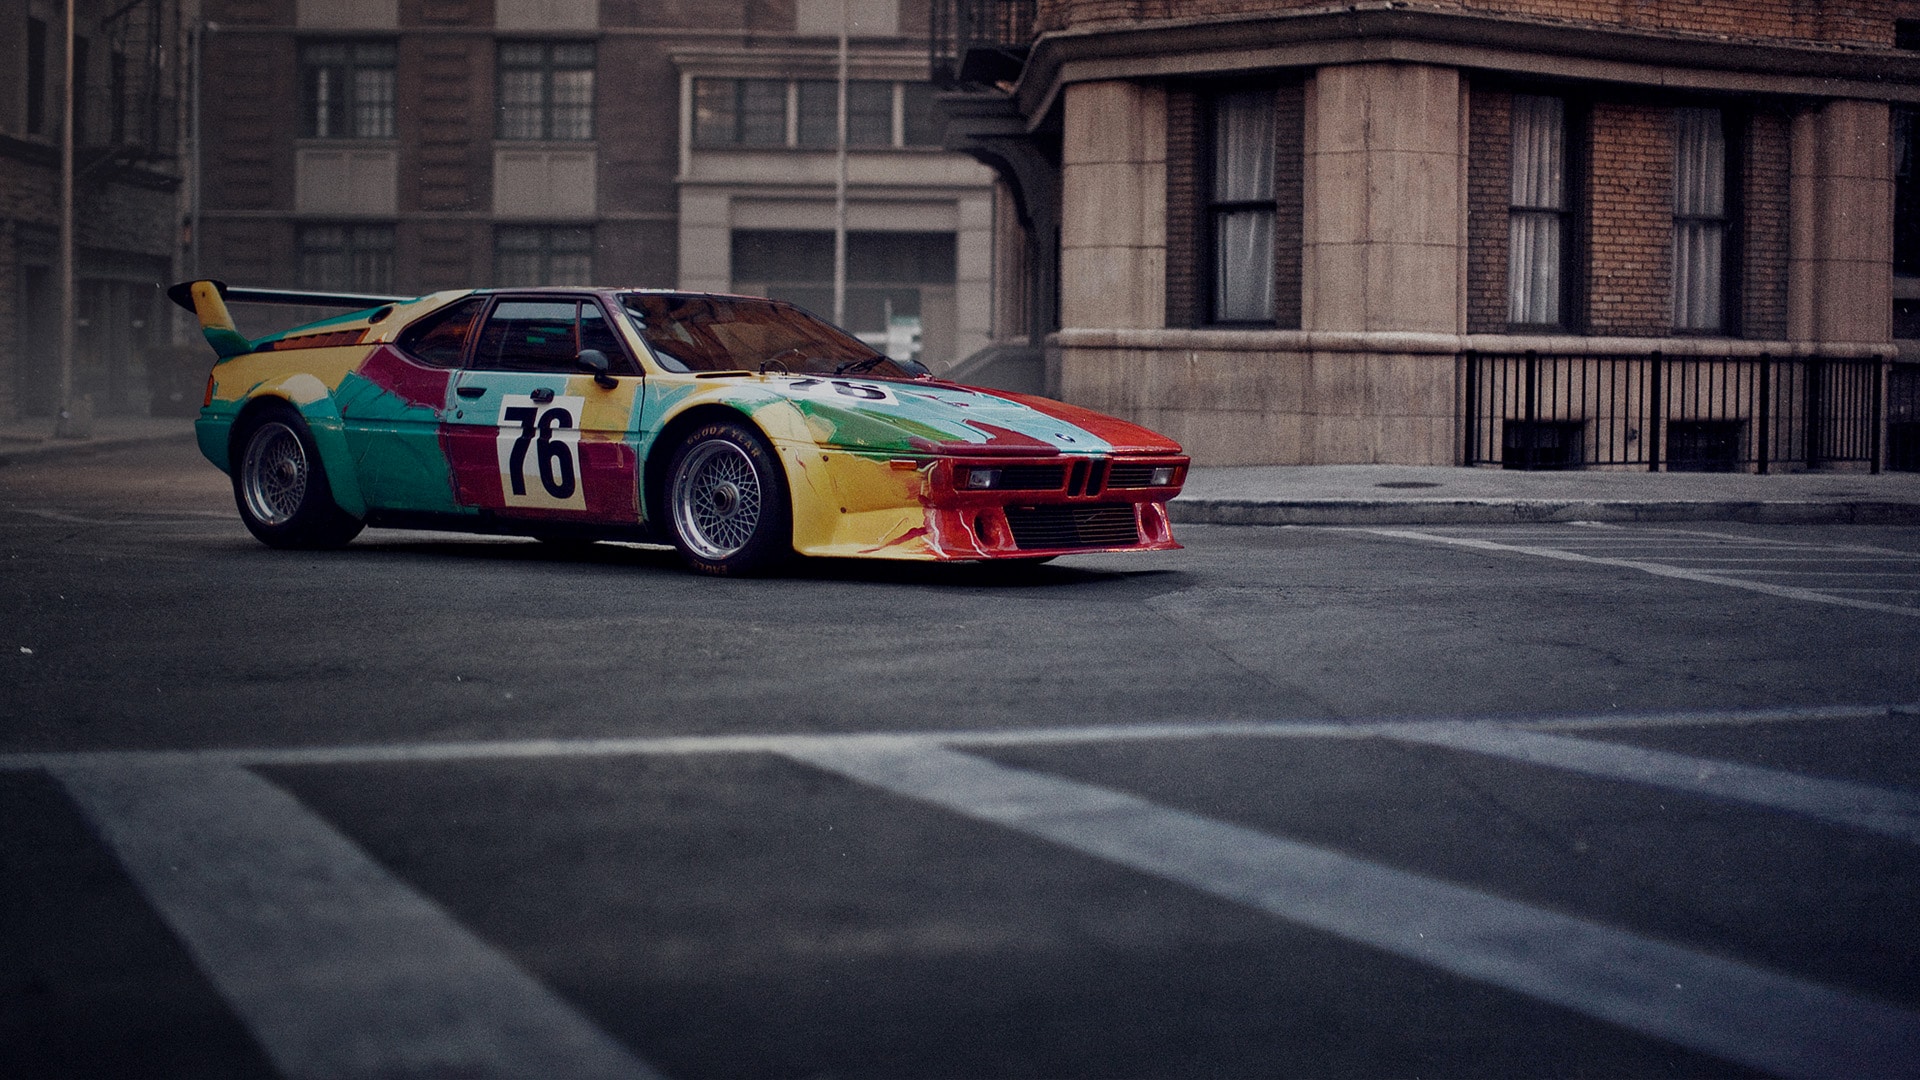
x,y
1705,534
1732,1010
1890,813
1658,569
336,967
535,749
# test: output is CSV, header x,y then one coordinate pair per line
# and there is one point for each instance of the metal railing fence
x,y
1680,413
955,26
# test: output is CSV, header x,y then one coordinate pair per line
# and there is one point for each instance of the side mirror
x,y
595,361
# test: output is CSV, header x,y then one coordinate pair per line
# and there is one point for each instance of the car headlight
x,y
977,479
1161,476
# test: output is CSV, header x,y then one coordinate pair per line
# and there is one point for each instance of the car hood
x,y
947,418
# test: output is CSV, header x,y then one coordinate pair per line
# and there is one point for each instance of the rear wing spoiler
x,y
207,299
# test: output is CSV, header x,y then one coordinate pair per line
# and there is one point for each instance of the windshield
x,y
734,333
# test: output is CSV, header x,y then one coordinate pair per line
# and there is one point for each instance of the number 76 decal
x,y
539,451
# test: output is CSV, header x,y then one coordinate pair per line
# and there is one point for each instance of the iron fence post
x,y
1816,404
1875,420
1656,412
1765,419
1473,407
1532,375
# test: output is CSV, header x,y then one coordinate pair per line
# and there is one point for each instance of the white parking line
x,y
1890,813
1737,1012
336,967
1658,569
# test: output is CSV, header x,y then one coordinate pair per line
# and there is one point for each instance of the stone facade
x,y
1394,253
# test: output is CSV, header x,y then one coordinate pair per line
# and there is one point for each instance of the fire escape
x,y
977,52
128,123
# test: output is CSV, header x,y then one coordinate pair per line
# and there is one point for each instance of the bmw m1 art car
x,y
740,430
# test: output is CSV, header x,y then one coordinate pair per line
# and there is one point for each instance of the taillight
x,y
208,398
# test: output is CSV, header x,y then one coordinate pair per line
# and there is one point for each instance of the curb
x,y
58,448
1510,511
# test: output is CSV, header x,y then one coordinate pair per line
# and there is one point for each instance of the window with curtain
x,y
546,90
1538,212
1240,207
1699,219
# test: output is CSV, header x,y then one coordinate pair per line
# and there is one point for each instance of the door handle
x,y
542,395
472,391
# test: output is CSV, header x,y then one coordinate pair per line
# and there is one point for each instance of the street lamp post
x,y
840,184
70,421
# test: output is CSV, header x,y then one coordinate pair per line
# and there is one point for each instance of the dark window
x,y
1906,33
543,255
869,114
894,280
741,112
347,89
346,257
36,77
1906,195
920,120
1241,207
117,95
440,339
819,101
546,90
753,112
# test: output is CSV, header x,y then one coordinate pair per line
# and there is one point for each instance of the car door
x,y
533,435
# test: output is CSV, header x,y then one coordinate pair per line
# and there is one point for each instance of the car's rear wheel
x,y
281,487
728,501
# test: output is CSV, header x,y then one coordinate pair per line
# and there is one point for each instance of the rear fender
x,y
315,404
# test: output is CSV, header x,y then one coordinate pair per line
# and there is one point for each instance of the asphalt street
x,y
1569,799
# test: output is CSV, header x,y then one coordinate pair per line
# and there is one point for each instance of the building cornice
x,y
1398,31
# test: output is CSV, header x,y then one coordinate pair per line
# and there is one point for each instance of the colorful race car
x,y
741,430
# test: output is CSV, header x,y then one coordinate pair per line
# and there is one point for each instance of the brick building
x,y
127,61
410,145
1534,233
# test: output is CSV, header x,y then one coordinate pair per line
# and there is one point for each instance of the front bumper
x,y
863,506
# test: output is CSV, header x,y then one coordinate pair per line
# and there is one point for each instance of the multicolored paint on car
x,y
740,429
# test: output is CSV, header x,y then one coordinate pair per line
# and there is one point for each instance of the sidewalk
x,y
1349,494
1440,495
31,438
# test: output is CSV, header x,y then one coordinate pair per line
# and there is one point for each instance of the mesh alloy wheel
x,y
274,474
717,499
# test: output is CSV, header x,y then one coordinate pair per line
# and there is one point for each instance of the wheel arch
x,y
653,473
324,424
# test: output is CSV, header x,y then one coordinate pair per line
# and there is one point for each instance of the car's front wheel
x,y
728,501
281,487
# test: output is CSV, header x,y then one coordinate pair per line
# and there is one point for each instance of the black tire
x,y
281,487
727,502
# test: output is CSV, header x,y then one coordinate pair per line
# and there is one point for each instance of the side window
x,y
546,335
440,339
596,334
529,335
